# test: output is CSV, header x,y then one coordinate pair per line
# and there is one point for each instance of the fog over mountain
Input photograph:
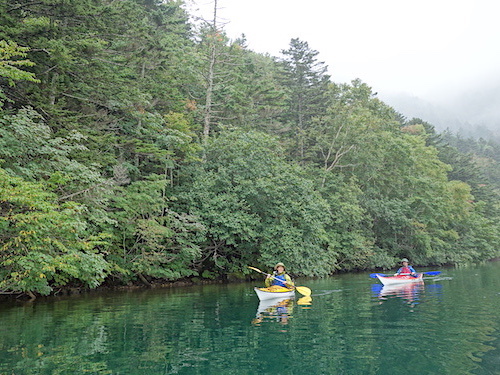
x,y
443,54
473,112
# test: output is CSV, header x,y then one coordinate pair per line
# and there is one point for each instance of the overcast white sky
x,y
426,48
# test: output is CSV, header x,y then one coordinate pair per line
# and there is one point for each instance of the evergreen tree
x,y
306,82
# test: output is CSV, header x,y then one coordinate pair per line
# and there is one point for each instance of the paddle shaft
x,y
268,275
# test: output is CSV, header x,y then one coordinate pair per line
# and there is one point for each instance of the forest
x,y
138,145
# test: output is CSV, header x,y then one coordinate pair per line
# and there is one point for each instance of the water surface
x,y
450,324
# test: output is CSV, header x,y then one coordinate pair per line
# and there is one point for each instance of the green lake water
x,y
448,325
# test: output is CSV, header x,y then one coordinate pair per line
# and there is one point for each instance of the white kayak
x,y
392,280
274,292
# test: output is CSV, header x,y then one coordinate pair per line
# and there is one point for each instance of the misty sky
x,y
427,48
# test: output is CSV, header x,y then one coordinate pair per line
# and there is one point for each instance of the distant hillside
x,y
412,106
475,113
480,107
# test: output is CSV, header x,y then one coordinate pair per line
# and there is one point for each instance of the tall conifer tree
x,y
306,80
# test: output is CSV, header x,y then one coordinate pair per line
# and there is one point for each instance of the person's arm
x,y
289,281
413,272
398,271
268,281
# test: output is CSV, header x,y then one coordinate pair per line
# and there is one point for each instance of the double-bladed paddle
x,y
304,290
430,273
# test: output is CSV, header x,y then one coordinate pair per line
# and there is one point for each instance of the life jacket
x,y
405,270
279,280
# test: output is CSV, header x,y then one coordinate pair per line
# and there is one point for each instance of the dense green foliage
x,y
135,145
44,243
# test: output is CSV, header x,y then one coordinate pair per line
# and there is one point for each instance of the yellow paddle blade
x,y
304,290
255,269
304,301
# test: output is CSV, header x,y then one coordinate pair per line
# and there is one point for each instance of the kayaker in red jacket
x,y
406,269
279,277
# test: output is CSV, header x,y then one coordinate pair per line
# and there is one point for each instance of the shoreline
x,y
23,297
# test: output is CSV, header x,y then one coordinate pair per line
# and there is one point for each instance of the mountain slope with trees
x,y
136,146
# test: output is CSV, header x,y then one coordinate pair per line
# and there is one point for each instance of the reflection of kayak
x,y
265,306
409,292
391,280
403,290
276,309
274,292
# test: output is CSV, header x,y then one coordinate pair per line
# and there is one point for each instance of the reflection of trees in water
x,y
453,329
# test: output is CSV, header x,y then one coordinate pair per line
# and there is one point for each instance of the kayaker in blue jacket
x,y
279,277
406,269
